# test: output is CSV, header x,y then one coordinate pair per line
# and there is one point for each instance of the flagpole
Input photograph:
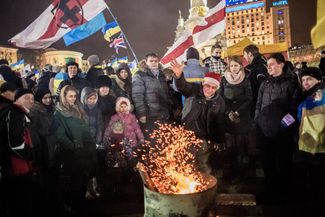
x,y
127,41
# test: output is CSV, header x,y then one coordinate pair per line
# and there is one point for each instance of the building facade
x,y
253,19
263,22
9,54
60,57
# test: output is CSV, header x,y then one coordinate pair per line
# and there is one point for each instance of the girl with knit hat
x,y
123,127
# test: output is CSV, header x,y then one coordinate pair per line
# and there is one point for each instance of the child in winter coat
x,y
89,99
123,131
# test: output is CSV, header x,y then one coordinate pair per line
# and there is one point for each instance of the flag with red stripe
x,y
58,19
118,43
213,24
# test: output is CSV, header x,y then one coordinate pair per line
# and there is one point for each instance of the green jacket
x,y
73,133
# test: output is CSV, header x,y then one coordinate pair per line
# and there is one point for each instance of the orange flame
x,y
170,162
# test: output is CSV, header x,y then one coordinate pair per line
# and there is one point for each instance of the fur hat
x,y
212,78
313,72
40,93
120,101
71,63
22,91
103,81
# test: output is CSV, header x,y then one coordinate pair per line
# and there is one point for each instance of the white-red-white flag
x,y
58,19
213,24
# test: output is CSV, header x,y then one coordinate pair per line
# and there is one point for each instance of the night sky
x,y
148,24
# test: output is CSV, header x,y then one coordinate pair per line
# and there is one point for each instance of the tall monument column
x,y
198,8
197,12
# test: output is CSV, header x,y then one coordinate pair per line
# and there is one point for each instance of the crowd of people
x,y
56,139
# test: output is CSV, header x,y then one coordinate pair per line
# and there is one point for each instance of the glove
x,y
234,117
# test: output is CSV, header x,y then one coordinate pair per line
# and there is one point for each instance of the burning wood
x,y
169,164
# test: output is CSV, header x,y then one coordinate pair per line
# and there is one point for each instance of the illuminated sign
x,y
280,3
237,2
245,7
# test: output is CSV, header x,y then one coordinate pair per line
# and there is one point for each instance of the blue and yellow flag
x,y
123,59
85,30
18,65
110,29
318,32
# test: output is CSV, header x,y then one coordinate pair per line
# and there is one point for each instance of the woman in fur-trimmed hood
x,y
131,126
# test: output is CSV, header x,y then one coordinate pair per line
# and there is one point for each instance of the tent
x,y
238,48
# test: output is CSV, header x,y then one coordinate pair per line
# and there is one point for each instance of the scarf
x,y
237,79
75,111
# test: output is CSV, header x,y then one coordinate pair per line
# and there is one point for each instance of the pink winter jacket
x,y
132,129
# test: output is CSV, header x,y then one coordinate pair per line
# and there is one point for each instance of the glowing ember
x,y
170,162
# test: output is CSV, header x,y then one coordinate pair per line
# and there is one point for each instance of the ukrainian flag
x,y
123,59
18,65
59,77
110,29
318,32
114,63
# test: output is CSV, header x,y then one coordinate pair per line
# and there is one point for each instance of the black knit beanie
x,y
40,93
22,91
313,72
103,81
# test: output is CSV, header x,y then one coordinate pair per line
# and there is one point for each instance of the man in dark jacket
x,y
73,78
150,93
203,110
275,116
7,94
44,81
19,171
256,70
94,71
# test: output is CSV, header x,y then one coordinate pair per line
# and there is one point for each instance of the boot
x,y
92,191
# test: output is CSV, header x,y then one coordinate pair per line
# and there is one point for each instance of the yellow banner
x,y
318,32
